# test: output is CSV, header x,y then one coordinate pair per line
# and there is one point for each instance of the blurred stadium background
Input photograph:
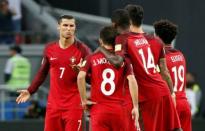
x,y
39,26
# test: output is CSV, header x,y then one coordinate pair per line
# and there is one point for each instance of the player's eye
x,y
65,25
71,25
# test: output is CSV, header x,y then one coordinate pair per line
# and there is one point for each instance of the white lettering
x,y
176,58
100,61
141,41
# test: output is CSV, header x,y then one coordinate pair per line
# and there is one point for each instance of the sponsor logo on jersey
x,y
53,58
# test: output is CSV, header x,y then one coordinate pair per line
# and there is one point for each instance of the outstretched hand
x,y
23,96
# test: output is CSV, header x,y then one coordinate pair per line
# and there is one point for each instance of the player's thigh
x,y
53,121
149,114
117,122
184,113
170,116
73,120
98,122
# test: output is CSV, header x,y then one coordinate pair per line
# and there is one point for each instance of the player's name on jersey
x,y
140,42
100,61
176,58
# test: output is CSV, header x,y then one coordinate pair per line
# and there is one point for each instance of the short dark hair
x,y
121,18
16,48
166,30
108,35
136,14
65,17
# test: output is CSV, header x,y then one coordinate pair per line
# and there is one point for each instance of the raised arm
x,y
113,58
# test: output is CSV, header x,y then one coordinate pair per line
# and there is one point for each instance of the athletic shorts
x,y
63,120
168,119
149,112
184,112
107,118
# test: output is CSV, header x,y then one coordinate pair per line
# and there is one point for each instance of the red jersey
x,y
63,92
107,82
157,47
177,67
138,49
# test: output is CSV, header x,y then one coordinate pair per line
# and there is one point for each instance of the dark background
x,y
188,14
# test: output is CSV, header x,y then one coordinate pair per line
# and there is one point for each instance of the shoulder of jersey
x,y
172,50
50,44
80,44
153,38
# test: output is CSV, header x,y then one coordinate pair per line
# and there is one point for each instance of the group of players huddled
x,y
137,79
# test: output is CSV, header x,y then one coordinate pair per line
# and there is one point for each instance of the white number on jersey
x,y
109,81
79,124
62,69
150,60
178,76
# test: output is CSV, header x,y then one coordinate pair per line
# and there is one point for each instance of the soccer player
x,y
120,21
107,83
176,64
153,91
61,59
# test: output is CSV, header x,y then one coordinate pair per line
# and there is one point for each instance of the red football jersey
x,y
63,92
107,82
157,47
137,48
176,64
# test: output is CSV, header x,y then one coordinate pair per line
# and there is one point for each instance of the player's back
x,y
150,82
177,67
107,82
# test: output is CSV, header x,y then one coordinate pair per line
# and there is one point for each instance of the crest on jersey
x,y
72,60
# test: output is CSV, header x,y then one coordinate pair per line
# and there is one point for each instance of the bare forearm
x,y
165,74
133,87
82,86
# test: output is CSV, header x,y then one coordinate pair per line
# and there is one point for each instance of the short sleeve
x,y
162,54
85,50
86,65
121,45
129,67
162,50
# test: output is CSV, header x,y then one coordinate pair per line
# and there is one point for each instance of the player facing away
x,y
61,59
168,120
176,64
107,85
153,91
120,21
